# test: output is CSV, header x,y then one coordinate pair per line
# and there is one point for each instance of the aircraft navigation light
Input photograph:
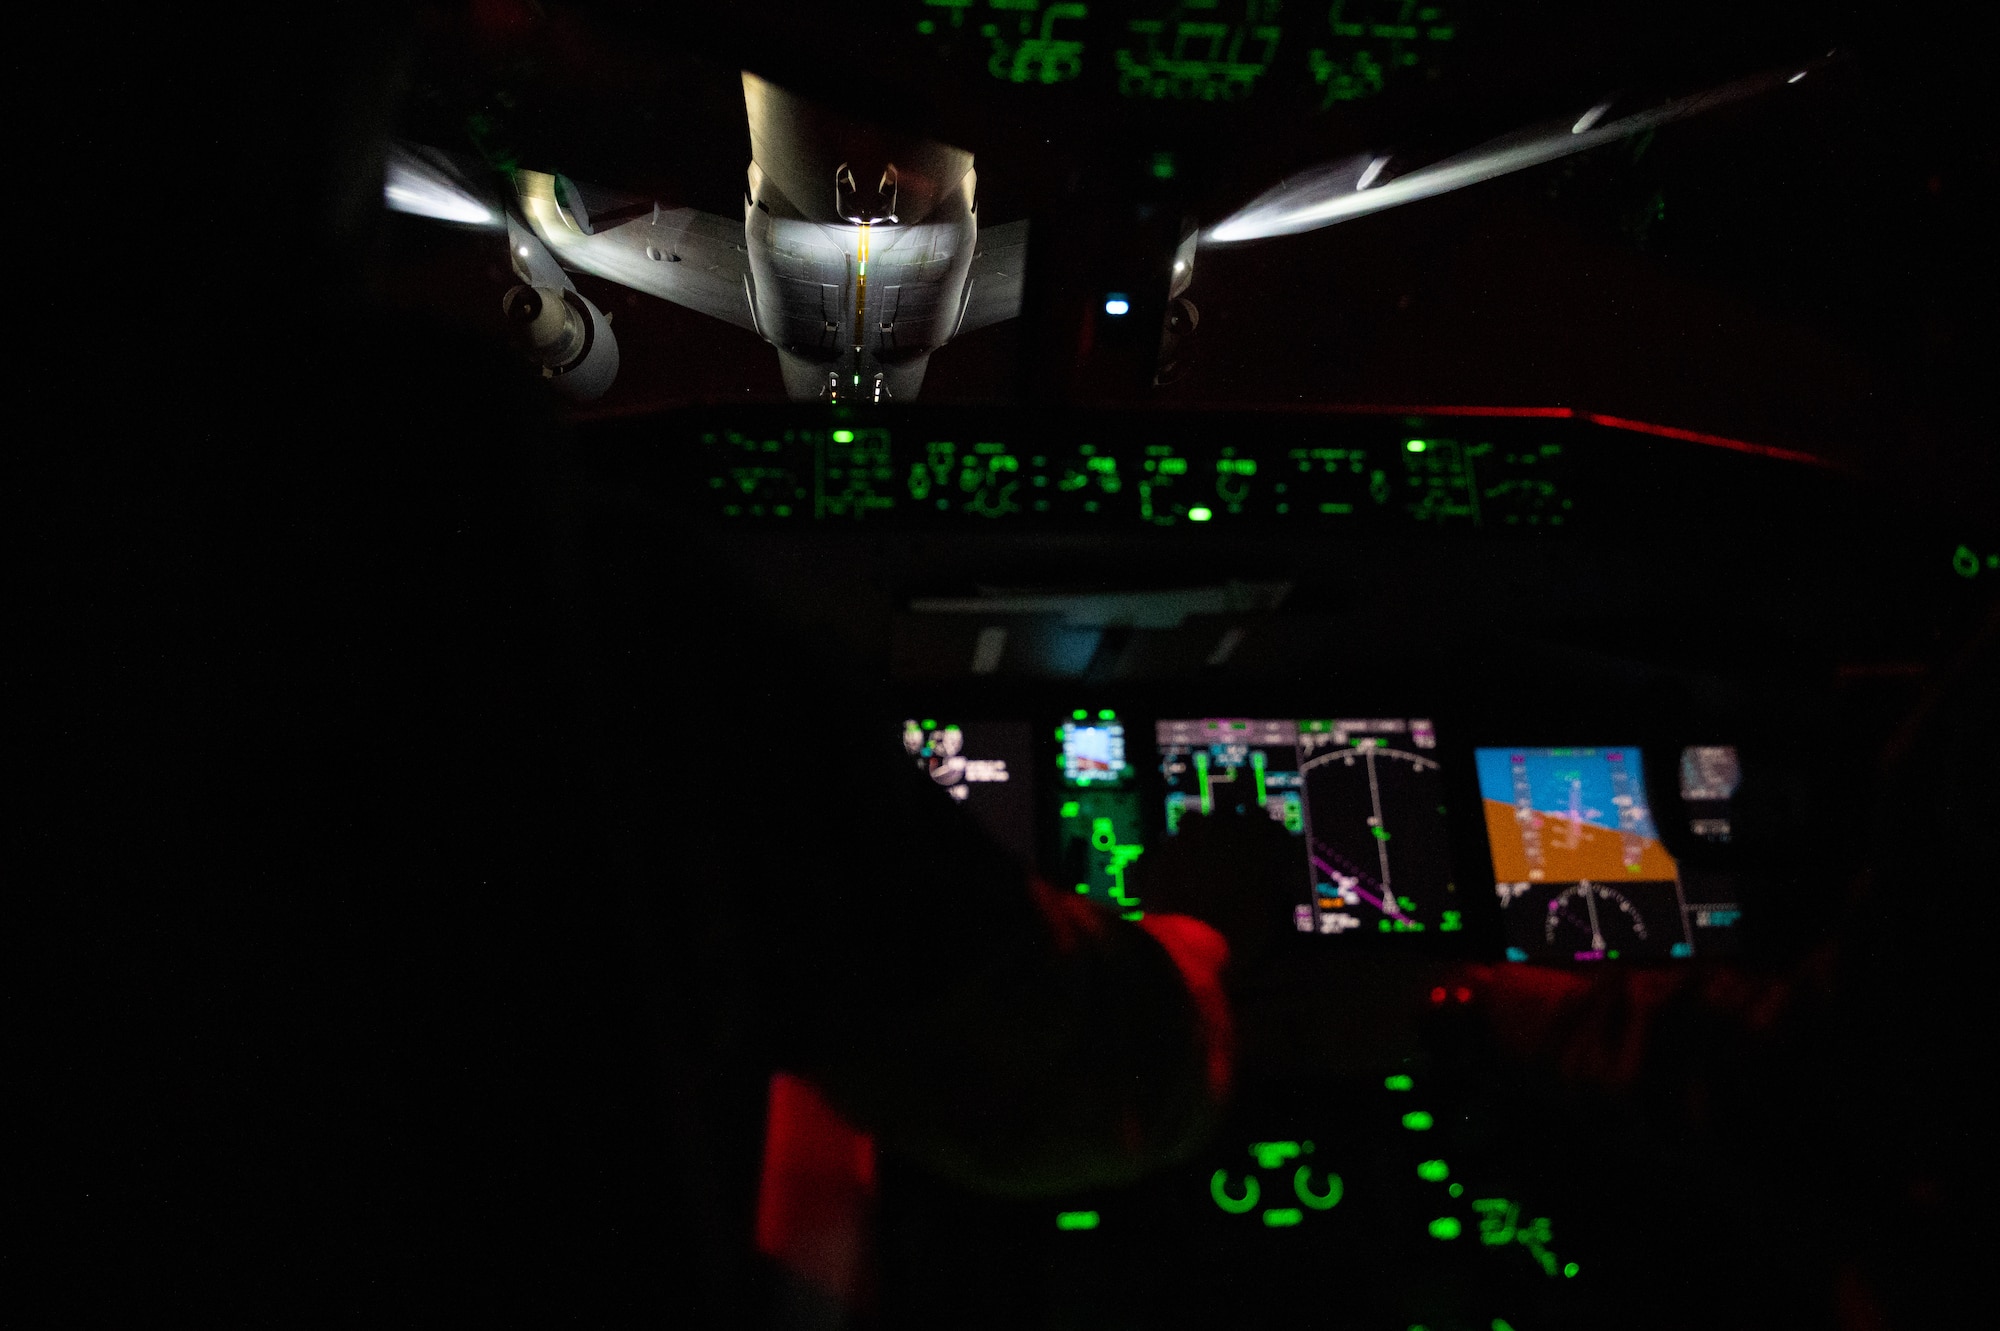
x,y
406,197
1796,77
1115,304
422,187
1368,176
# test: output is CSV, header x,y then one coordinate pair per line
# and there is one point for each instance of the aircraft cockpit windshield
x,y
1240,203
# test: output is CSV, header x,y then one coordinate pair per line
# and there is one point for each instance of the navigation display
x,y
1365,798
1577,860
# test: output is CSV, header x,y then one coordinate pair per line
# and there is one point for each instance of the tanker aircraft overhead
x,y
860,252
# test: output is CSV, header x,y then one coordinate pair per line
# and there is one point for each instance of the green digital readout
x,y
1196,52
1501,1224
1206,51
1024,41
1352,474
1367,44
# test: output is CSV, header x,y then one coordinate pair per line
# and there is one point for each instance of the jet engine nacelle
x,y
565,335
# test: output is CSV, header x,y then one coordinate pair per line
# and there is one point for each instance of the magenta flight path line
x,y
1336,873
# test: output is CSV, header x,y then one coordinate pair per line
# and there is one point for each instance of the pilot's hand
x,y
1242,876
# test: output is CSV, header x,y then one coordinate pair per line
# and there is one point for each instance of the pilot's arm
x,y
1007,1034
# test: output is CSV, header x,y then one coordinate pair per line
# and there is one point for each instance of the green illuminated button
x,y
1433,1171
843,436
1318,1201
1218,1188
1446,1227
1272,1155
1418,1121
1076,1220
1282,1219
1571,1268
1399,1082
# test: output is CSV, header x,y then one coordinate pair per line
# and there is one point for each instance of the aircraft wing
x,y
691,258
993,286
1371,183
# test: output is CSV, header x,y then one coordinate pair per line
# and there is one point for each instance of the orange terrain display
x,y
1570,849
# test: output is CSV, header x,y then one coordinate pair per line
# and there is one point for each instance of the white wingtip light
x,y
412,185
1370,174
1590,117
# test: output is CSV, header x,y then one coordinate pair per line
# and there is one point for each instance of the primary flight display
x,y
1578,863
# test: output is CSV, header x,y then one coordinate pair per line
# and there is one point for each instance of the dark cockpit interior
x,y
1501,497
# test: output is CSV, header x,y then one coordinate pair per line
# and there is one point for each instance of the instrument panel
x,y
1550,854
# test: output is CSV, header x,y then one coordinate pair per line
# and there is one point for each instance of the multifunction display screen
x,y
1578,863
1364,797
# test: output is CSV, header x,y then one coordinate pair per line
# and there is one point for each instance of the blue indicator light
x,y
1116,304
